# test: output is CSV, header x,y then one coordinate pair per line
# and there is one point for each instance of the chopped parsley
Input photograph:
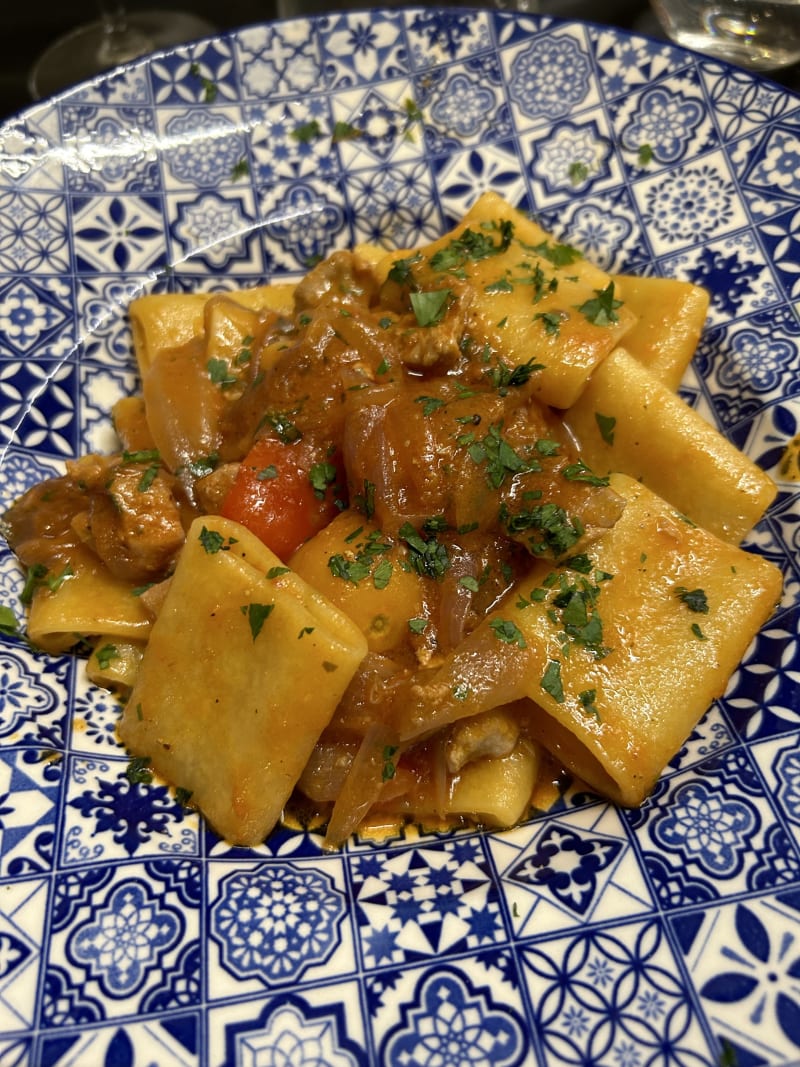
x,y
364,562
307,131
283,426
429,307
321,476
106,655
551,681
430,403
148,477
601,309
694,599
138,771
504,377
579,472
552,529
578,172
220,373
507,631
606,425
645,155
211,540
497,454
473,245
240,169
588,700
551,320
257,615
37,578
345,131
428,557
9,624
560,255
389,768
417,626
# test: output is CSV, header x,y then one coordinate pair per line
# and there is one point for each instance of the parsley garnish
x,y
551,320
307,131
579,472
560,255
240,169
345,131
694,599
556,531
220,373
211,540
389,769
551,681
606,424
417,626
9,624
429,557
498,455
321,476
645,155
359,566
283,426
429,307
106,655
257,615
504,377
578,172
138,771
507,631
587,699
601,309
146,455
430,403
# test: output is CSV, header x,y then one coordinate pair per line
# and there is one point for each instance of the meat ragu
x,y
376,431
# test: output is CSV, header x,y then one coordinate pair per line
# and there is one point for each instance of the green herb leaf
x,y
307,131
321,476
220,374
551,681
430,307
606,424
507,631
601,309
694,599
9,624
211,540
106,655
138,771
429,557
257,614
345,131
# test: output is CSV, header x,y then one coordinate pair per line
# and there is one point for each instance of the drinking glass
x,y
759,34
116,36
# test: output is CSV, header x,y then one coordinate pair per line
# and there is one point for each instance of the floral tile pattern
x,y
129,933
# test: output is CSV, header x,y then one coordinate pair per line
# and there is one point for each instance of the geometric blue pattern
x,y
129,933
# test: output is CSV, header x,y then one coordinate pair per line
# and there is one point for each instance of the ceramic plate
x,y
129,934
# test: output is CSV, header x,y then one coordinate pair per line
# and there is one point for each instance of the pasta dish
x,y
401,540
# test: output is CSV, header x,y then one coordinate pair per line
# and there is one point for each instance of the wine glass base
x,y
84,52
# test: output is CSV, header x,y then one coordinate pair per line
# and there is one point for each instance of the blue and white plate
x,y
129,934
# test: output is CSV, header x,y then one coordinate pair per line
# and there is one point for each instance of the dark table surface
x,y
29,28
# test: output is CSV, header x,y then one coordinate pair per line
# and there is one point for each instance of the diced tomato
x,y
284,493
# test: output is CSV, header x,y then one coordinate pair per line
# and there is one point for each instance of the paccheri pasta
x,y
394,541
